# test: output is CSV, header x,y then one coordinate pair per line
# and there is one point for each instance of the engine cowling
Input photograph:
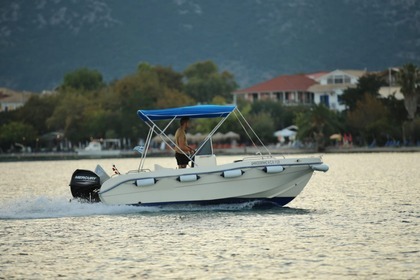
x,y
85,184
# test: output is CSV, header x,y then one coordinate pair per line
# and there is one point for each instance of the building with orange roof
x,y
288,89
304,89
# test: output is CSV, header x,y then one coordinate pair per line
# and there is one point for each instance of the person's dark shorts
x,y
181,159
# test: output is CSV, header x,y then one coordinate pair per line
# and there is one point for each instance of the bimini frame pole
x,y
146,148
155,129
237,112
212,132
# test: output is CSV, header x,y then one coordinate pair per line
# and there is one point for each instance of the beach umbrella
x,y
52,136
198,137
232,135
218,137
157,139
285,133
336,136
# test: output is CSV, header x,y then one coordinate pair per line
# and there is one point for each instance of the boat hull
x,y
276,181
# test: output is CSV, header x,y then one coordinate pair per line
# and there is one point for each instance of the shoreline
x,y
16,157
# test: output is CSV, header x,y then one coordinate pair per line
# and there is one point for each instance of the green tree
x,y
412,130
37,110
204,82
173,98
370,83
169,78
371,119
16,133
263,126
260,122
396,108
397,116
141,90
409,80
98,122
69,115
317,124
281,116
83,79
166,75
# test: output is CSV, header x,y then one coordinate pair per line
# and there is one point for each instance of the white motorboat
x,y
262,178
101,148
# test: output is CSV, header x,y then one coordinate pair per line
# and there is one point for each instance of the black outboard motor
x,y
85,184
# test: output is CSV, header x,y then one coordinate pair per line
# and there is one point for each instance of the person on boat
x,y
182,147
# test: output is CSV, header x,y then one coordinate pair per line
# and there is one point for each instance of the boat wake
x,y
56,207
44,207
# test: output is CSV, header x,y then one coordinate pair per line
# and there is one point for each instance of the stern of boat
x,y
85,184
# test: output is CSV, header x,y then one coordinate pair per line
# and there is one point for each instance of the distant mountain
x,y
42,40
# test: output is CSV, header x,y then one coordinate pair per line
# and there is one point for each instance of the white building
x,y
331,86
11,100
304,89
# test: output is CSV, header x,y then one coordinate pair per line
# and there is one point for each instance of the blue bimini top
x,y
194,112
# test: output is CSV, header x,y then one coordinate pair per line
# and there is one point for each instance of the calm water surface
x,y
360,220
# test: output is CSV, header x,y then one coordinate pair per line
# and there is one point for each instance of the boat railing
x,y
141,170
261,157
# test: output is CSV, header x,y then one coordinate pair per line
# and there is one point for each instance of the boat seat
x,y
205,160
160,167
103,176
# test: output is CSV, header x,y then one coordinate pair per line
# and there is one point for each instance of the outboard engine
x,y
85,184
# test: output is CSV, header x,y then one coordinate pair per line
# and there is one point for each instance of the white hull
x,y
207,185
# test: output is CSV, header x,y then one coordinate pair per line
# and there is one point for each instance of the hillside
x,y
41,40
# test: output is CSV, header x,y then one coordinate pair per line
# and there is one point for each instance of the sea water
x,y
360,220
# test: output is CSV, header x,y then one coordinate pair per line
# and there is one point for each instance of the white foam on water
x,y
56,207
44,207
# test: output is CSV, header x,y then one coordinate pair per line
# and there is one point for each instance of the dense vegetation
x,y
84,107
